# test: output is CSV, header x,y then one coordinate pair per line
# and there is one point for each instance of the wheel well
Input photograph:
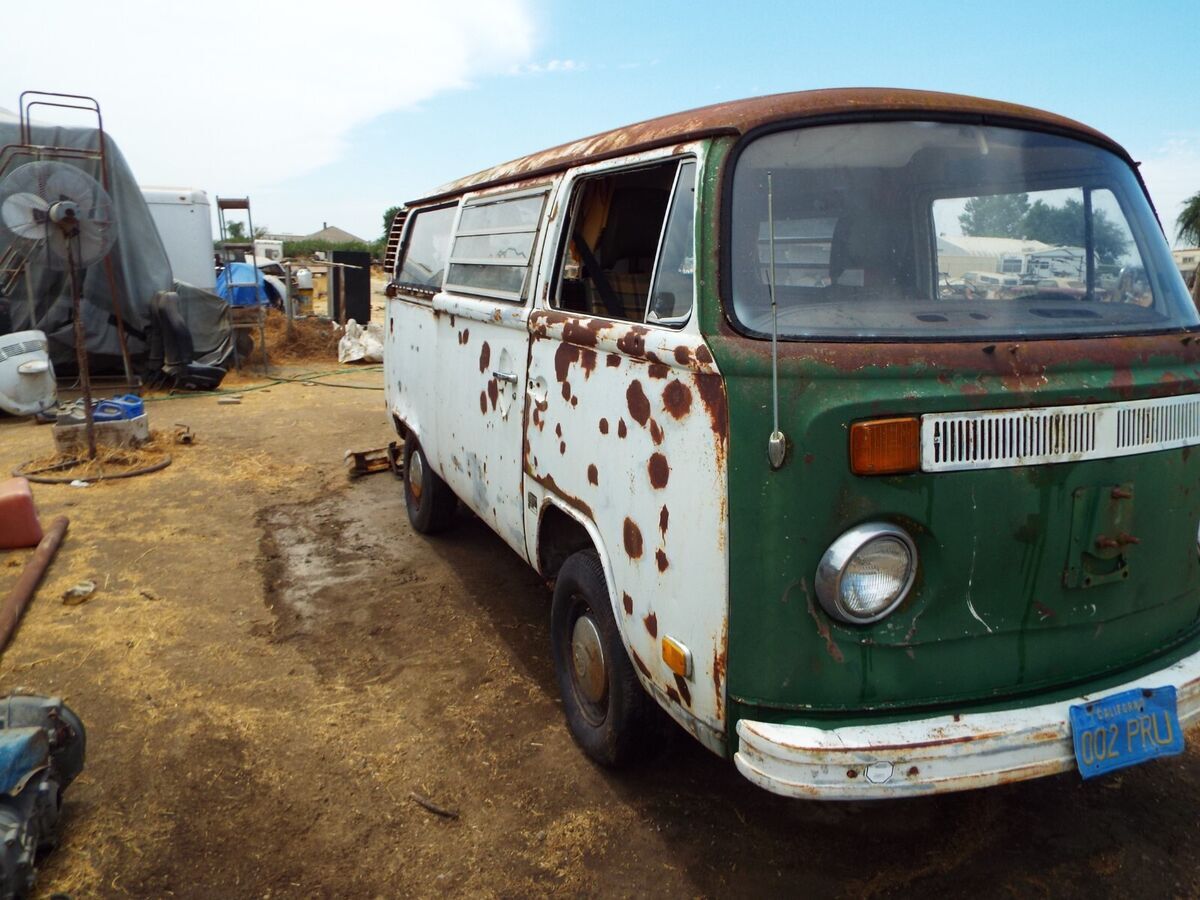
x,y
558,537
401,428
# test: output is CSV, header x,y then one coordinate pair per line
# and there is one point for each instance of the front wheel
x,y
610,716
430,502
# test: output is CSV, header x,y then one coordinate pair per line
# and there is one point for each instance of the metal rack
x,y
228,250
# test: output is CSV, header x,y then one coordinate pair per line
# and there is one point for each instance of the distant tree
x,y
1187,226
997,216
261,231
387,221
1062,226
236,231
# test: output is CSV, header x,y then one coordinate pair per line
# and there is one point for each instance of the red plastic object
x,y
19,525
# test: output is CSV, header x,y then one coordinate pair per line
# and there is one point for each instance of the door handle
x,y
505,376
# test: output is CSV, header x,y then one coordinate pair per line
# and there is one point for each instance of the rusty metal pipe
x,y
18,598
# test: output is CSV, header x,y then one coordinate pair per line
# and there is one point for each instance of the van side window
x,y
614,238
674,276
425,248
494,245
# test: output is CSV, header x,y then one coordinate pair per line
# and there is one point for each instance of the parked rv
x,y
866,535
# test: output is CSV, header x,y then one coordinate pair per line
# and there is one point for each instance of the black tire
x,y
619,727
430,502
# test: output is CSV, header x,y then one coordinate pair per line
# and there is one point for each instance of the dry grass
x,y
310,340
109,461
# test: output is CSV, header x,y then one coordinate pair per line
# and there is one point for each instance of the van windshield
x,y
938,230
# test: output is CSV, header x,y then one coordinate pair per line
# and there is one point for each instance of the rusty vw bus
x,y
853,521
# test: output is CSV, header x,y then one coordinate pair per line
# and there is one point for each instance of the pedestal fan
x,y
66,217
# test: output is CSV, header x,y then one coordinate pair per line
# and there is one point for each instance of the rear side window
x,y
494,245
424,263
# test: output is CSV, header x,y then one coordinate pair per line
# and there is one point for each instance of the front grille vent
x,y
1021,437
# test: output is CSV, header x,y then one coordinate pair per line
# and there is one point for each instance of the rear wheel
x,y
430,502
610,716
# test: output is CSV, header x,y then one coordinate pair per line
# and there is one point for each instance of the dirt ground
x,y
274,663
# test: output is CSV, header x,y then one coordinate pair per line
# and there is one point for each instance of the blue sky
x,y
391,98
1126,69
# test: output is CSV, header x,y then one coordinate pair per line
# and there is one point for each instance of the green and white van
x,y
858,526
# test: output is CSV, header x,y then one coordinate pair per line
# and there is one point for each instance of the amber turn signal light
x,y
677,657
885,446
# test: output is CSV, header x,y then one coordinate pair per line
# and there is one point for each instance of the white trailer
x,y
184,220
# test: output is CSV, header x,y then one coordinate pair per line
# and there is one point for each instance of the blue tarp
x,y
241,274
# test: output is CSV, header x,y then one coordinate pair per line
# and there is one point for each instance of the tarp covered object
x,y
139,264
241,284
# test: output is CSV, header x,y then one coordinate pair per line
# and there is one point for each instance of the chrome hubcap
x,y
587,661
416,472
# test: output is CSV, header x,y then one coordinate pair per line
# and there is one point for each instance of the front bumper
x,y
936,755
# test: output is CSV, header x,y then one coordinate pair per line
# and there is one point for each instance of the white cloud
x,y
1172,174
554,65
234,96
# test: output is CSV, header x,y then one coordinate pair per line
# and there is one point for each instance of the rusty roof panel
x,y
741,116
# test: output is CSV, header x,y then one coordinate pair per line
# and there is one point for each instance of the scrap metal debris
x,y
368,462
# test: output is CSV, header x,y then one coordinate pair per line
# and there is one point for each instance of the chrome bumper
x,y
933,756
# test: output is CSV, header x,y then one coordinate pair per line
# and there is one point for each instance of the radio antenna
x,y
777,443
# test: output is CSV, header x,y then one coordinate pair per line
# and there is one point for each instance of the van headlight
x,y
866,572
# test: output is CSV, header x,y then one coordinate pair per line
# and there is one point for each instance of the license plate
x,y
1125,729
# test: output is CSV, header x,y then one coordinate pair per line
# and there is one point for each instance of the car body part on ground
x,y
831,490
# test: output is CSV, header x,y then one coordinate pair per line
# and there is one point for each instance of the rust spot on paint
x,y
657,370
660,471
566,390
835,652
574,401
718,670
485,357
913,772
627,602
651,622
639,405
664,516
637,661
493,391
587,361
661,559
712,395
633,342
677,399
466,336
672,695
593,474
612,360
683,355
604,426
621,429
681,683
852,773
579,333
558,430
483,402
562,446
564,357
633,539
702,355
656,433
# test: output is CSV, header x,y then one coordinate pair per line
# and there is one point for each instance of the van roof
x,y
740,116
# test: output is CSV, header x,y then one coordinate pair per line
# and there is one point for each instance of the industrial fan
x,y
64,217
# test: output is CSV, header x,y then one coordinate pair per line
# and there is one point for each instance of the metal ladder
x,y
229,251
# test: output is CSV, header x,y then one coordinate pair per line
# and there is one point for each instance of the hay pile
x,y
311,340
110,462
